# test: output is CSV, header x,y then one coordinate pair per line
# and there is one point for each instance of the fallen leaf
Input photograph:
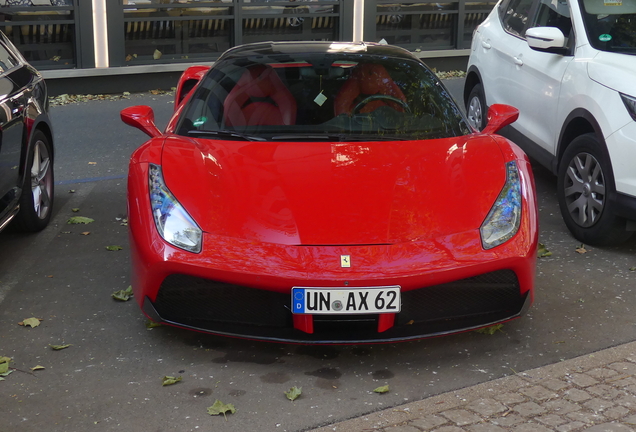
x,y
32,322
221,408
92,163
581,249
79,220
168,380
75,210
56,58
632,269
114,248
542,251
86,233
491,330
71,191
129,57
152,324
123,295
157,54
38,367
59,347
4,365
382,389
293,393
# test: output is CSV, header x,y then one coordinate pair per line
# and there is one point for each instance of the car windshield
x,y
611,24
314,97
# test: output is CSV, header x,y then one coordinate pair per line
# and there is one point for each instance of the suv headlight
x,y
630,104
504,217
173,222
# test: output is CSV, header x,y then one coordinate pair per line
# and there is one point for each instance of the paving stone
x,y
485,427
576,395
586,417
615,412
429,422
598,405
628,401
510,398
602,373
555,384
609,427
538,393
570,426
582,380
404,428
630,420
461,417
508,421
449,429
605,391
551,420
624,367
528,409
487,407
530,427
561,406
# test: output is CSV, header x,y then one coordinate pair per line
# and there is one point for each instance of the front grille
x,y
236,310
491,293
189,300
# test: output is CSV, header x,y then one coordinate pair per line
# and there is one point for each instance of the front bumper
x,y
228,310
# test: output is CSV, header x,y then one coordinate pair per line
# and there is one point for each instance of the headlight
x,y
172,221
630,104
505,215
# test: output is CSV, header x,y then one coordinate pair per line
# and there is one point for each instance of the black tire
x,y
36,199
476,109
585,185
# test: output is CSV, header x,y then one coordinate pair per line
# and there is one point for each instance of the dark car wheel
x,y
36,201
585,184
476,108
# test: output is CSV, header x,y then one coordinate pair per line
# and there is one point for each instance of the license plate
x,y
334,301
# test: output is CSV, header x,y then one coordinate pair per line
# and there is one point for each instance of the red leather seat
x,y
259,98
367,79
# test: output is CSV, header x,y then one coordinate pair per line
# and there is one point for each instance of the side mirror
x,y
499,116
189,79
141,117
546,39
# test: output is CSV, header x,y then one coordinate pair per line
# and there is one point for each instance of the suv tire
x,y
585,185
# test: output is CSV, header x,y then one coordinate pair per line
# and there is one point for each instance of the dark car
x,y
26,143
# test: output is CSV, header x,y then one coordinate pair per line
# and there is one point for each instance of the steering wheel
x,y
380,97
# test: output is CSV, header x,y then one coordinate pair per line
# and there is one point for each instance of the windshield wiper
x,y
225,134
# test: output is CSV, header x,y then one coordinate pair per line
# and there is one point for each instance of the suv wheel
x,y
476,109
585,184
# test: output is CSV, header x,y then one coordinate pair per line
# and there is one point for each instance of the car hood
x,y
321,193
615,71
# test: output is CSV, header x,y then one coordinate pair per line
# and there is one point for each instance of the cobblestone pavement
x,y
594,393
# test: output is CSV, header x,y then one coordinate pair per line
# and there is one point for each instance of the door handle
x,y
518,61
486,44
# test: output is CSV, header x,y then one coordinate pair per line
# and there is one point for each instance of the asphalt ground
x,y
110,378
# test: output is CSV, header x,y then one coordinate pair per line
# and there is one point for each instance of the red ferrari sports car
x,y
328,192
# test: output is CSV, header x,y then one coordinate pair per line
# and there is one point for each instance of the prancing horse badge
x,y
345,260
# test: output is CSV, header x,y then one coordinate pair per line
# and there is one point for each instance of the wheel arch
x,y
579,122
473,77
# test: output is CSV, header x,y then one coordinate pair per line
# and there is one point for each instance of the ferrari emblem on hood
x,y
345,260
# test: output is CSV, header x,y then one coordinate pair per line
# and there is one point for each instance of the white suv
x,y
570,69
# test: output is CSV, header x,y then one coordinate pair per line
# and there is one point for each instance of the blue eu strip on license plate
x,y
333,301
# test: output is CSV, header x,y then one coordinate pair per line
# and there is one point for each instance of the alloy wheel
x,y
584,189
41,180
475,113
